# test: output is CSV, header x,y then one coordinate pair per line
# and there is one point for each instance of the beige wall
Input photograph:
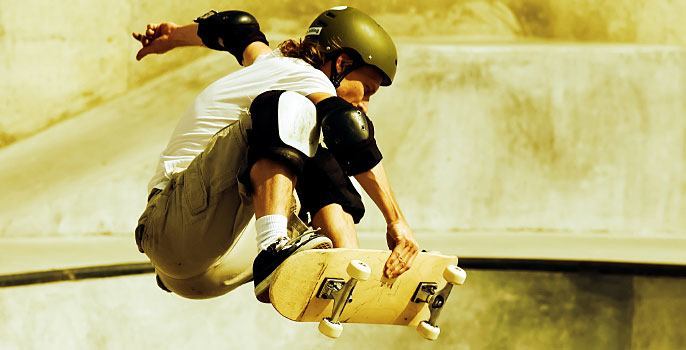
x,y
549,136
516,136
60,60
545,138
57,61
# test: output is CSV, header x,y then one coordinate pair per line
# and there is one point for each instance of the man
x,y
253,137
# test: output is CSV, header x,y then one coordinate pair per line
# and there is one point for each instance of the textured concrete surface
x,y
22,255
87,161
536,138
659,313
495,310
36,255
77,55
536,128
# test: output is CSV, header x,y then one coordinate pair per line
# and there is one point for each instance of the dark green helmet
x,y
347,28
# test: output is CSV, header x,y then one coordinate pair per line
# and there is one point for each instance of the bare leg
x,y
337,225
273,184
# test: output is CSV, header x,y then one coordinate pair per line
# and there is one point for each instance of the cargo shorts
x,y
197,231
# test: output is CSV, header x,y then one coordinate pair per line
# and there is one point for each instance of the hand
x,y
156,40
404,248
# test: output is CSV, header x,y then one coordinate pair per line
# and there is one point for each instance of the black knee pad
x,y
284,129
349,134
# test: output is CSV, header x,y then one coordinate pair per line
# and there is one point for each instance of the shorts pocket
x,y
144,225
194,189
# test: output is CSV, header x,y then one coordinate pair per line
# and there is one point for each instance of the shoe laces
x,y
280,244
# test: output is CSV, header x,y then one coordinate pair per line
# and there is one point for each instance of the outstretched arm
x,y
399,236
162,37
234,31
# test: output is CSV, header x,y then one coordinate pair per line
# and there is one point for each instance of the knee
x,y
338,225
284,129
265,169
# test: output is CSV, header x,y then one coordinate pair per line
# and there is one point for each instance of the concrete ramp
x,y
538,138
88,175
495,310
477,138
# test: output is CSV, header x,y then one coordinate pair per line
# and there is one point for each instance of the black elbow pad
x,y
349,135
230,31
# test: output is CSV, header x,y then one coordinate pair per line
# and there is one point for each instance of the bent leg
x,y
229,272
195,230
331,199
284,134
273,184
336,224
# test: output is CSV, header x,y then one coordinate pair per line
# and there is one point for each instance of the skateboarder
x,y
253,137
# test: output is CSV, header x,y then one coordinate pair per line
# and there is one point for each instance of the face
x,y
359,85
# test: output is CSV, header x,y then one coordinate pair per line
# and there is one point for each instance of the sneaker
x,y
269,259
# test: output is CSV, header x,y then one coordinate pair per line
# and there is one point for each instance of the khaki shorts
x,y
197,231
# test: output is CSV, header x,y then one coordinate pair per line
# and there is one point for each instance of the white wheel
x,y
454,275
359,270
330,329
428,331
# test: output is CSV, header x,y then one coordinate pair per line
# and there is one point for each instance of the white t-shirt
x,y
227,99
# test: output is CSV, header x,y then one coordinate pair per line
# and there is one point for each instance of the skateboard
x,y
334,286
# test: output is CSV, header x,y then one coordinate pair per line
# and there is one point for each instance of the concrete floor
x,y
494,310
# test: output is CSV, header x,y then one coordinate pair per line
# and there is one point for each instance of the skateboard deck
x,y
378,300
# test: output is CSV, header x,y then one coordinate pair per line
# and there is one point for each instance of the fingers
x,y
401,259
146,50
152,32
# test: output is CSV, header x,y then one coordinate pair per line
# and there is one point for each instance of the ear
x,y
343,61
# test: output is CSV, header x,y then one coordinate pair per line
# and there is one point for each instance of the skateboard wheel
x,y
359,270
454,274
428,331
330,329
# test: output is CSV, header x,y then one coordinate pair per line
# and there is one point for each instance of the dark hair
x,y
307,51
310,51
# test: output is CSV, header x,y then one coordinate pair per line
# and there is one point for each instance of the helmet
x,y
346,28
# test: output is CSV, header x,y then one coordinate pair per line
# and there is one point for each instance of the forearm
x,y
186,35
375,184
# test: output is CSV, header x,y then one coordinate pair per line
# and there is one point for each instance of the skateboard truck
x,y
426,293
332,287
340,292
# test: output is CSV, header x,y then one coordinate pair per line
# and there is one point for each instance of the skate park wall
x,y
522,117
78,54
538,130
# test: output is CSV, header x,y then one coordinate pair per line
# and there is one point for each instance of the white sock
x,y
270,228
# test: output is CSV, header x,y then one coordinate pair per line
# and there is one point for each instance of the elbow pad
x,y
230,31
349,135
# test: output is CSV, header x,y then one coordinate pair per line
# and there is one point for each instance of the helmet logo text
x,y
314,31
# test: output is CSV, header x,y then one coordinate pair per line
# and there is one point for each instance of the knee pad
x,y
284,129
349,135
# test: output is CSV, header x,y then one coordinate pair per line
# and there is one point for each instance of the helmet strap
x,y
337,78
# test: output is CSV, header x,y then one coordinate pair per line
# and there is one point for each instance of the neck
x,y
326,69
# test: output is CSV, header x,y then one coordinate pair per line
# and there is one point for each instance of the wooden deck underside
x,y
377,300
